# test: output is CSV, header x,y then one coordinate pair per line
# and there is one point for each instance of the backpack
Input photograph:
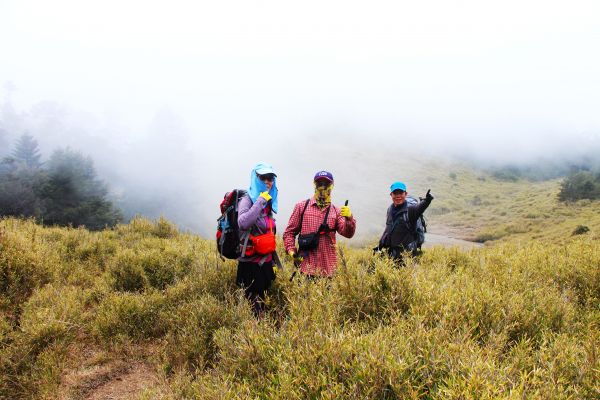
x,y
228,232
420,227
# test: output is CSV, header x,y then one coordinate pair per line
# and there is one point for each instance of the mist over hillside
x,y
176,105
167,168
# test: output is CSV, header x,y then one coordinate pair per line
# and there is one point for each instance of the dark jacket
x,y
400,225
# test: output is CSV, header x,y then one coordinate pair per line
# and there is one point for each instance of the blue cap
x,y
398,186
324,175
264,168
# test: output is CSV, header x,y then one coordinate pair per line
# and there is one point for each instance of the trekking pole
x,y
296,265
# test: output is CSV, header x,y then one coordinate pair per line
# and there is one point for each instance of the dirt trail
x,y
97,379
432,240
126,385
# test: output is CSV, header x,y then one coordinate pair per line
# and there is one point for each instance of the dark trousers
x,y
255,280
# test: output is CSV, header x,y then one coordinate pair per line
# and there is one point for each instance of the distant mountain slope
x,y
470,203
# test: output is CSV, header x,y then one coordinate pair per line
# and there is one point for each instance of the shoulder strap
x,y
244,240
303,211
403,216
325,220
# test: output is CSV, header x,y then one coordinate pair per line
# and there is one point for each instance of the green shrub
x,y
375,297
490,234
580,230
33,355
580,185
52,314
23,267
191,343
123,316
126,272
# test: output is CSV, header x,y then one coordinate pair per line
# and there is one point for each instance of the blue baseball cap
x,y
263,168
398,186
324,175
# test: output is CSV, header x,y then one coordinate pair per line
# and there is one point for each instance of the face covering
x,y
257,186
323,195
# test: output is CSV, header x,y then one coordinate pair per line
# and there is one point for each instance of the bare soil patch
x,y
101,377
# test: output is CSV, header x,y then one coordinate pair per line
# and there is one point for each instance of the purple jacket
x,y
252,217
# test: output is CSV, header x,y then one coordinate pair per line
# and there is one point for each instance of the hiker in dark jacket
x,y
400,225
255,270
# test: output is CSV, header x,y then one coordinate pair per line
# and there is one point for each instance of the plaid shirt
x,y
323,260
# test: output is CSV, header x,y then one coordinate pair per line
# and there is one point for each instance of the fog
x,y
176,101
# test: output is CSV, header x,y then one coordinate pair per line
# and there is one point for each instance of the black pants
x,y
255,280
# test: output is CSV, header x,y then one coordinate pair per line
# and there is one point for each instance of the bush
x,y
24,266
509,174
580,185
128,316
580,230
191,344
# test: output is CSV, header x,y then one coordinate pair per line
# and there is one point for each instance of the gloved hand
x,y
345,211
296,258
428,196
378,248
266,196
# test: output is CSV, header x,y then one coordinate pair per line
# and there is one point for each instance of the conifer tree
x,y
19,189
74,195
3,144
27,151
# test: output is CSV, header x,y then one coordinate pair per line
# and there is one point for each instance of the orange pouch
x,y
264,244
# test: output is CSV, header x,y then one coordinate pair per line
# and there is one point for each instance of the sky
x,y
180,83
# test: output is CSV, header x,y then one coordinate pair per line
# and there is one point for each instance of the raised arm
x,y
248,213
345,226
420,208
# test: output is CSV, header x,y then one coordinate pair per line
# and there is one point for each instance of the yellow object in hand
x,y
345,211
266,196
297,258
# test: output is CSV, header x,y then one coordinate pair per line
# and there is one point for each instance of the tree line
x,y
63,190
580,185
580,180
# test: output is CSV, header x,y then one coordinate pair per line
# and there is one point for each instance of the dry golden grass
x,y
516,320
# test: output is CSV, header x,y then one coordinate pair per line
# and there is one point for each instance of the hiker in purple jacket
x,y
255,270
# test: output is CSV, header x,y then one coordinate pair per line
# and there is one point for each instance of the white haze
x,y
176,101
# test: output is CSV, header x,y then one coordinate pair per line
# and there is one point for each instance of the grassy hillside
x,y
479,207
469,203
516,320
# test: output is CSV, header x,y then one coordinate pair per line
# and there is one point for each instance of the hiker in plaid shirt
x,y
311,213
